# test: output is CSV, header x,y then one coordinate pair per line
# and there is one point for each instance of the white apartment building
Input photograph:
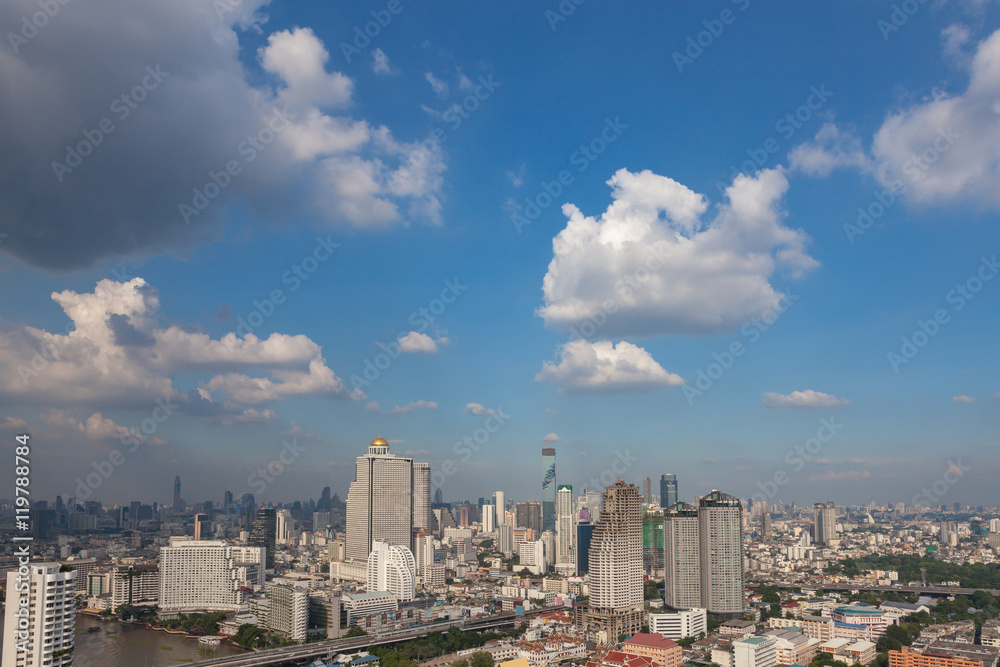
x,y
392,568
288,609
40,617
679,624
199,575
532,556
566,520
135,584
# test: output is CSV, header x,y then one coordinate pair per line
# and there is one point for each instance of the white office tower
x,y
424,555
532,556
199,575
682,558
506,539
647,490
489,518
422,515
40,617
392,568
824,523
285,532
615,562
500,502
566,520
721,542
380,501
754,652
288,608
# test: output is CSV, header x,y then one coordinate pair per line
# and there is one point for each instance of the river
x,y
127,645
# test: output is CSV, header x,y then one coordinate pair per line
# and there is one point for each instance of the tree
x,y
481,659
355,631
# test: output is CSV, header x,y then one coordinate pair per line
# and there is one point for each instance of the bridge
x,y
923,590
306,653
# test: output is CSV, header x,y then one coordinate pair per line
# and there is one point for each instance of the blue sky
x,y
400,198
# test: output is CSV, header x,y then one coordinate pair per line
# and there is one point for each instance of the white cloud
x,y
480,410
415,405
296,432
13,423
118,355
803,399
380,62
602,367
665,271
517,177
963,399
299,58
373,406
439,86
96,427
415,342
550,437
831,148
955,37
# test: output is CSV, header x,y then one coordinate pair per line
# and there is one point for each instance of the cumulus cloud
x,y
298,433
373,406
550,437
415,405
603,367
96,427
831,148
516,178
201,107
415,341
480,410
963,399
439,86
13,423
803,399
663,268
91,366
380,62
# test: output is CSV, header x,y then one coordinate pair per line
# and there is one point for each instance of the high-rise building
x,y
285,528
489,518
423,553
532,556
324,504
682,557
392,568
287,609
647,490
652,545
824,523
501,504
40,617
720,523
422,516
565,557
264,533
615,566
668,490
506,539
200,575
178,503
584,534
549,489
380,501
529,515
438,496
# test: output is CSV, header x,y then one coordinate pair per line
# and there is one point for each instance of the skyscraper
x,y
178,503
40,620
264,533
501,504
615,563
720,523
422,516
324,504
584,534
565,531
668,490
380,501
647,490
489,518
392,568
549,489
682,557
824,523
529,515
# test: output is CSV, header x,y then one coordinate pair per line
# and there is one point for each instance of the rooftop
x,y
650,640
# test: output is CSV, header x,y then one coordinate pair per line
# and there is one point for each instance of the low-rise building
x,y
679,624
664,651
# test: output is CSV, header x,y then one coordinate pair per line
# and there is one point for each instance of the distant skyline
x,y
750,253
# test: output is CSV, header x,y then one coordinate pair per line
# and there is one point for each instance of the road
x,y
926,590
